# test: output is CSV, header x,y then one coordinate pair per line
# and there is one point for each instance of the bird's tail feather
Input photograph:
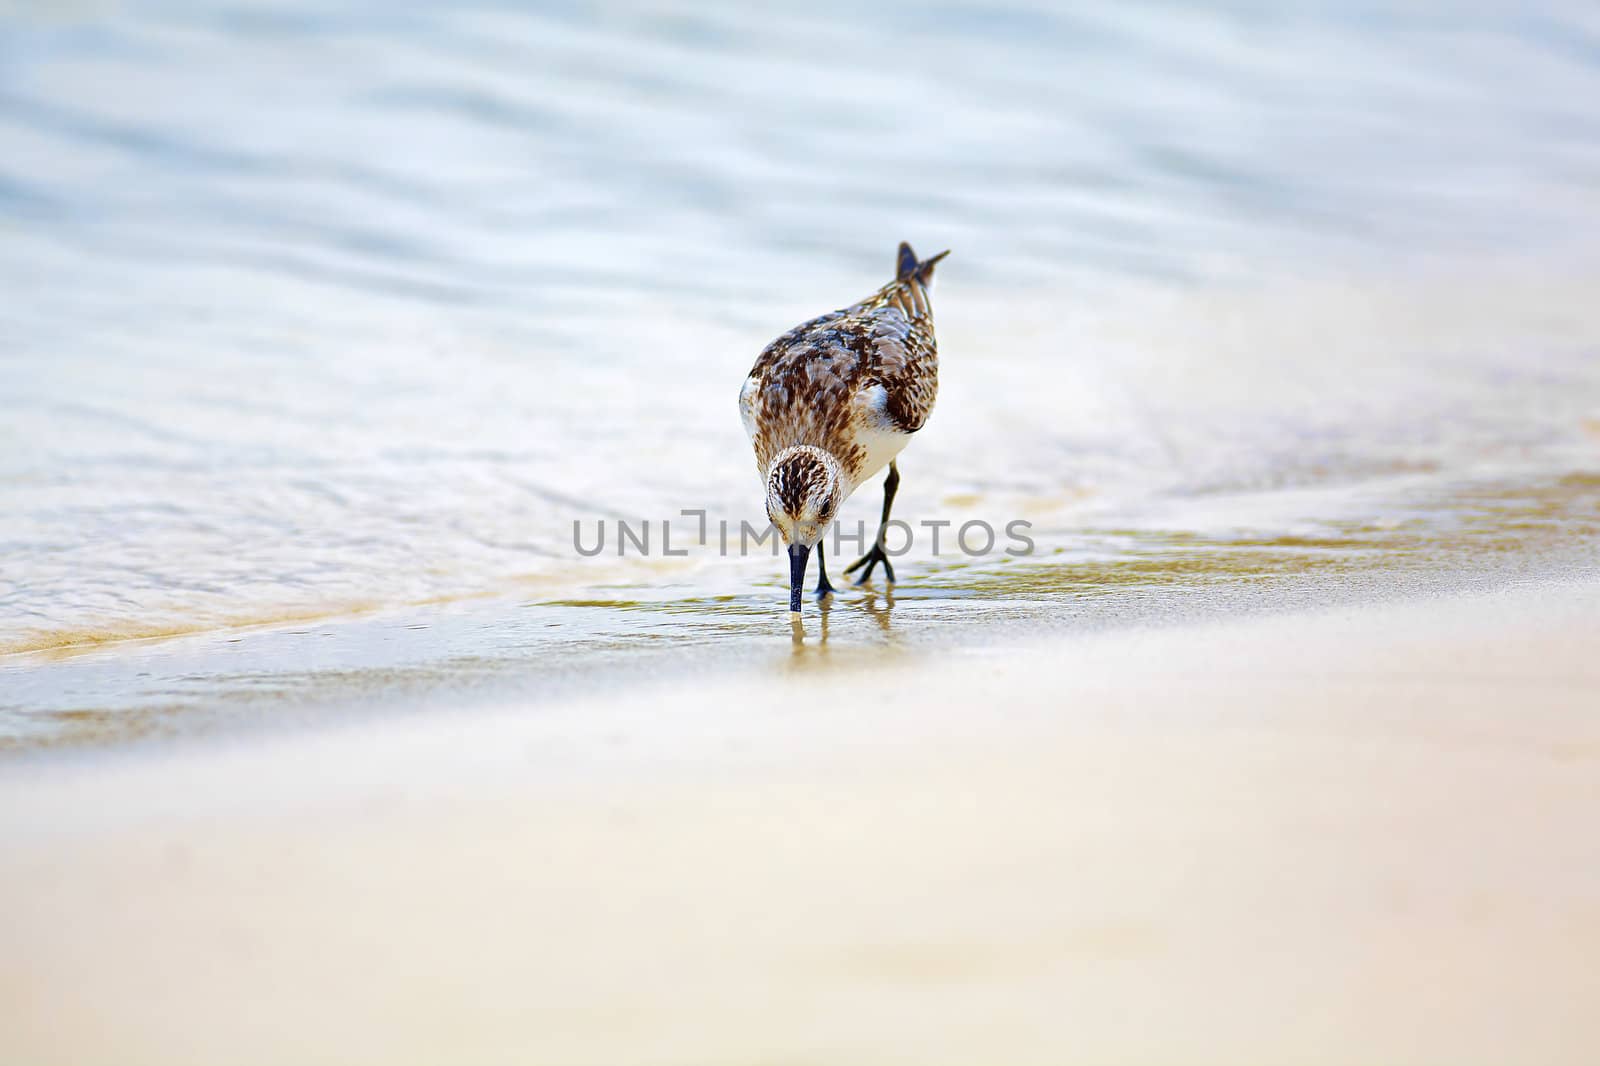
x,y
907,265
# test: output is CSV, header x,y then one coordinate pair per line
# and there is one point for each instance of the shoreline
x,y
1187,561
1345,836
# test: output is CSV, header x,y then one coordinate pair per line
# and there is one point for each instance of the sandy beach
x,y
1346,837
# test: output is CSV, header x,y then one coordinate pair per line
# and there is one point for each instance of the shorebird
x,y
833,401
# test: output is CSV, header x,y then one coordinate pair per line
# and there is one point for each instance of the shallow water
x,y
1403,537
317,312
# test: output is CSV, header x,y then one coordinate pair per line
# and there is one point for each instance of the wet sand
x,y
1351,836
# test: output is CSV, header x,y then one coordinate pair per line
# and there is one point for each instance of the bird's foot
x,y
825,588
870,561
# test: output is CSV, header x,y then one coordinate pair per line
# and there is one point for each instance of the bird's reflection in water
x,y
880,611
877,606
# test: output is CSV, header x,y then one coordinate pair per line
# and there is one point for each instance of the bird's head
x,y
805,488
804,492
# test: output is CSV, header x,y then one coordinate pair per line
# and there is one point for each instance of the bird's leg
x,y
824,587
877,554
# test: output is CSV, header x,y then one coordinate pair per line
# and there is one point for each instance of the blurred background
x,y
311,308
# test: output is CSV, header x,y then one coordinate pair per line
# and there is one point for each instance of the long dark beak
x,y
798,556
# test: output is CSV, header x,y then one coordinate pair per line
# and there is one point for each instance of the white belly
x,y
881,446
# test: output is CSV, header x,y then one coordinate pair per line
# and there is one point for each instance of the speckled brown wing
x,y
870,367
